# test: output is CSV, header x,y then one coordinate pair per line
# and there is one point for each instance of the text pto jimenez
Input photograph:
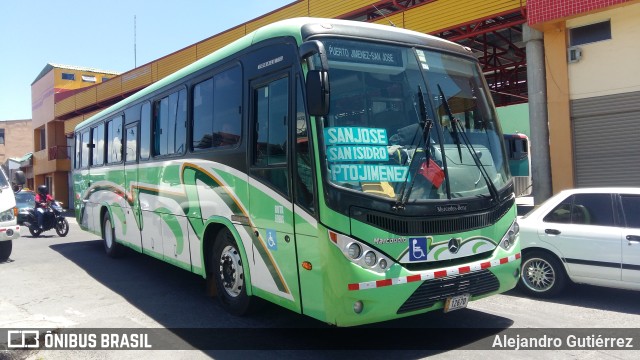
x,y
51,340
569,342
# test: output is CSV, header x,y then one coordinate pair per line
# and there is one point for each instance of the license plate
x,y
456,302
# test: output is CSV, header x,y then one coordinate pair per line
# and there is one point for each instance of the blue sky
x,y
100,34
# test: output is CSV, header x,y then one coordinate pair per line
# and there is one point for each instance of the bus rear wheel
x,y
228,273
111,247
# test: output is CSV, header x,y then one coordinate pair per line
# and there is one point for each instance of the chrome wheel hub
x,y
231,273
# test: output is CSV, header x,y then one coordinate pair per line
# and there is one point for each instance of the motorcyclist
x,y
41,199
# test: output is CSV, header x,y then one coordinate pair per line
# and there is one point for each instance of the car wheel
x,y
62,227
228,272
541,275
111,247
5,250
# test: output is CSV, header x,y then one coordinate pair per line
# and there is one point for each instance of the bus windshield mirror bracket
x,y
313,47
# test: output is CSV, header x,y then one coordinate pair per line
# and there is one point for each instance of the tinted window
x,y
77,151
170,115
114,140
98,145
631,208
270,121
592,209
271,115
590,33
561,214
132,144
145,131
85,149
217,111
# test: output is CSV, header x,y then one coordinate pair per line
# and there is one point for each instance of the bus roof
x,y
300,28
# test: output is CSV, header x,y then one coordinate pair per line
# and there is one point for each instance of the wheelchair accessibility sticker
x,y
272,240
418,248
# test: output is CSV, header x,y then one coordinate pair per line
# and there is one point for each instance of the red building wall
x,y
539,11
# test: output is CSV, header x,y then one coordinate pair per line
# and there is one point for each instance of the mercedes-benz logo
x,y
454,245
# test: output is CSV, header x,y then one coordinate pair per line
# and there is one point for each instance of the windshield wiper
x,y
457,130
425,125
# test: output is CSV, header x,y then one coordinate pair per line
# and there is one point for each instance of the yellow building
x,y
52,148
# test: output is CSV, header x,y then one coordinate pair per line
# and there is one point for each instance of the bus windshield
x,y
410,124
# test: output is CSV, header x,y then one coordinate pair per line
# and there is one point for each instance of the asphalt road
x,y
68,283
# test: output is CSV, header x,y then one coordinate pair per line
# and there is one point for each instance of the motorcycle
x,y
52,219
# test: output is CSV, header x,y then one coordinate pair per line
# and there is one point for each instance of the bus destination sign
x,y
363,53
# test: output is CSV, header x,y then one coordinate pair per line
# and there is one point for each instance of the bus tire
x,y
5,250
541,275
228,274
111,247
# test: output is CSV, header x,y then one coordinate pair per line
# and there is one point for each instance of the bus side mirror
x,y
317,89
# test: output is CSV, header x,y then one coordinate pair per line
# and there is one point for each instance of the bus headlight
x,y
370,258
511,236
354,250
383,264
360,253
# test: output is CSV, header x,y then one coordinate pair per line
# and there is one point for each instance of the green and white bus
x,y
351,172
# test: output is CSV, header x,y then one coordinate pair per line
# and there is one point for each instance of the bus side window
x,y
170,118
78,151
217,111
84,157
114,140
98,144
145,131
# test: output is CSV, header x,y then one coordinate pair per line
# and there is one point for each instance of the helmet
x,y
43,189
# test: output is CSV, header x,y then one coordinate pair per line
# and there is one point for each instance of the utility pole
x,y
135,60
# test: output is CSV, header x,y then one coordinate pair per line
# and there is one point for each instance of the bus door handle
x,y
552,231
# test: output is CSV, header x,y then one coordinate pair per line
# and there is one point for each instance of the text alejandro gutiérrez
x,y
568,342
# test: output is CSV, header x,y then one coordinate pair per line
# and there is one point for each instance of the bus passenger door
x,y
271,210
131,228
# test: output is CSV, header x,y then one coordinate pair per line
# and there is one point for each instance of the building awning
x,y
25,160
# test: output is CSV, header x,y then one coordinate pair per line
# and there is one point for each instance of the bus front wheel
x,y
228,273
